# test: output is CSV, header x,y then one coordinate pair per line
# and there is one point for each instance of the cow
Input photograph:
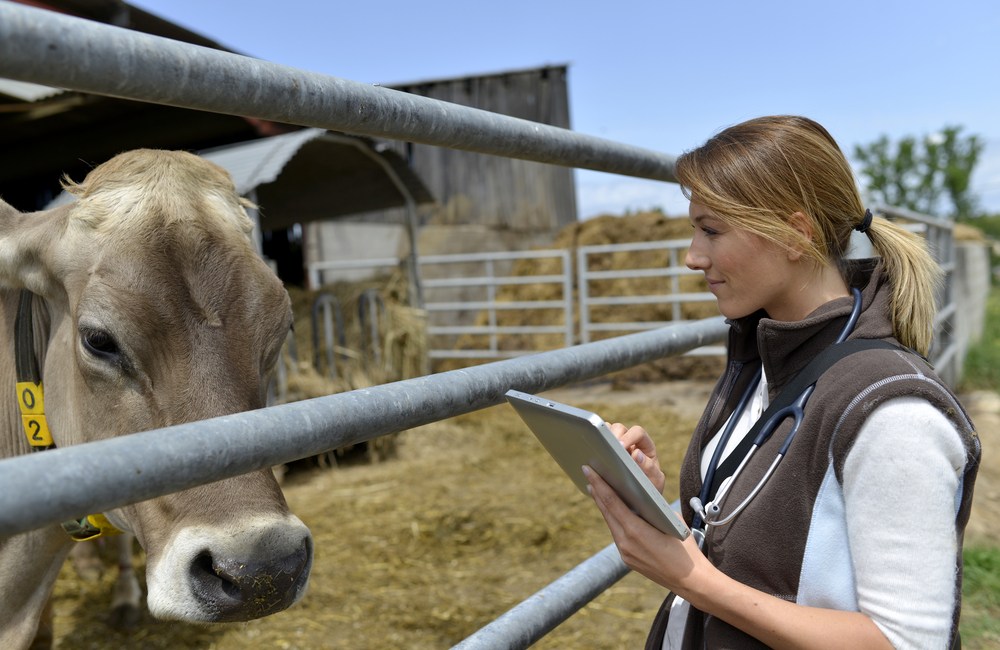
x,y
147,306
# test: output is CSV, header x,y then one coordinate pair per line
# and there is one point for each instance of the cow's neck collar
x,y
31,401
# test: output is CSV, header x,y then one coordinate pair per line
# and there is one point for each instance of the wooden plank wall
x,y
491,191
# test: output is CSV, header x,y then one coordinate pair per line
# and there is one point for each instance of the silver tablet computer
x,y
575,438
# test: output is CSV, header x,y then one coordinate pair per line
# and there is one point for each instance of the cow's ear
x,y
26,240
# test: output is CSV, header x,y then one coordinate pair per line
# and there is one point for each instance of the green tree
x,y
932,174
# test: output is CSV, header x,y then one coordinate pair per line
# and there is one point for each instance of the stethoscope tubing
x,y
706,514
723,441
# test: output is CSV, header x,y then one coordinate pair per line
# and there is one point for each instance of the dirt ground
x,y
467,519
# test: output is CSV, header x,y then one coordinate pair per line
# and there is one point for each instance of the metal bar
x,y
627,326
461,258
482,304
652,299
495,329
945,314
47,48
637,246
666,271
909,215
675,287
478,353
533,618
492,281
353,265
567,271
483,353
583,293
99,476
491,297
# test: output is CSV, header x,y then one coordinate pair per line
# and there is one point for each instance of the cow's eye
x,y
100,344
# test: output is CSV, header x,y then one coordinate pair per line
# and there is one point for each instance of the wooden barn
x,y
481,202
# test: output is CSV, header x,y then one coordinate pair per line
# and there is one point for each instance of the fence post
x,y
567,272
327,306
583,291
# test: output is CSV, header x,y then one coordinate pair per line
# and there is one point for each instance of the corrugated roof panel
x,y
249,163
259,161
27,92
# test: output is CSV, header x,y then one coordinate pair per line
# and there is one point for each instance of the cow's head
x,y
159,311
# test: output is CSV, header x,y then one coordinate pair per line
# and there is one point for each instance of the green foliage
x,y
980,625
931,175
982,363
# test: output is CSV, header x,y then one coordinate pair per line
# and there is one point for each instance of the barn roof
x,y
313,174
27,92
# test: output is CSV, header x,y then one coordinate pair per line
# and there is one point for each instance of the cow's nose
x,y
242,590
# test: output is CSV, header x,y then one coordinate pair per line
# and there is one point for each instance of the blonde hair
x,y
757,174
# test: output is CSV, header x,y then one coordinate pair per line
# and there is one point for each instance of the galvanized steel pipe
x,y
47,48
38,489
536,616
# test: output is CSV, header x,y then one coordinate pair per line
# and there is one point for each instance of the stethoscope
x,y
707,513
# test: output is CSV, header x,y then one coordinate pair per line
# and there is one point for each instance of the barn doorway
x,y
285,248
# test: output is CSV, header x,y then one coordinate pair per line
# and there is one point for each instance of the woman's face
x,y
745,272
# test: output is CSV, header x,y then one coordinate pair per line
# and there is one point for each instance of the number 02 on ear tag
x,y
32,402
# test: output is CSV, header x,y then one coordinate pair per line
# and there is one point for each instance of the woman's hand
x,y
641,448
662,558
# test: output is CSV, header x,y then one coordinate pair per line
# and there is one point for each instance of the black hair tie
x,y
865,223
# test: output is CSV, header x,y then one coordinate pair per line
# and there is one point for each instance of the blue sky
x,y
664,75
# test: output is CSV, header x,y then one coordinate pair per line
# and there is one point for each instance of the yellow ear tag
x,y
31,399
89,527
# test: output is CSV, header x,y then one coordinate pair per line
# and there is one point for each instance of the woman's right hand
x,y
640,447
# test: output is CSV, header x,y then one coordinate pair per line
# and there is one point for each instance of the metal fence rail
x,y
99,476
492,273
488,271
47,48
536,616
483,274
316,270
670,292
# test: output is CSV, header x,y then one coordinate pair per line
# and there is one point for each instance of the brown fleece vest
x,y
764,546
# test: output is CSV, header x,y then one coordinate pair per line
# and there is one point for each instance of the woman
x,y
855,539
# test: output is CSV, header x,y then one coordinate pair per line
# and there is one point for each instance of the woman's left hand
x,y
662,558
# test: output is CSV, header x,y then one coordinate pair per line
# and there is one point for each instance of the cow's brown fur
x,y
156,253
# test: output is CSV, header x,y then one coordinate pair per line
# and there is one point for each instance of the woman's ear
x,y
802,225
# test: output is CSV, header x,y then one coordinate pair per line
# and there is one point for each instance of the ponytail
x,y
914,278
